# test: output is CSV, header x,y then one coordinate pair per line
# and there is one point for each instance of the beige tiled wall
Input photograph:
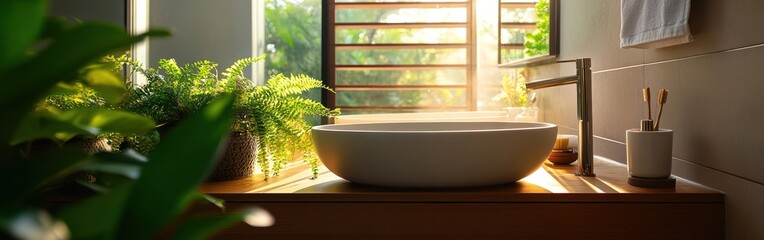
x,y
715,105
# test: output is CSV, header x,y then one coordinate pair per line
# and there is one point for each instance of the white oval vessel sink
x,y
434,154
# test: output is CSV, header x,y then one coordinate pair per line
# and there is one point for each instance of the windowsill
x,y
529,62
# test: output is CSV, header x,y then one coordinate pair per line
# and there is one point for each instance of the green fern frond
x,y
292,85
200,70
236,70
170,67
118,63
286,132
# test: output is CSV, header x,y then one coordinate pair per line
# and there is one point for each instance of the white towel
x,y
654,23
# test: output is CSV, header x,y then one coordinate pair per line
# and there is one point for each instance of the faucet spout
x,y
583,81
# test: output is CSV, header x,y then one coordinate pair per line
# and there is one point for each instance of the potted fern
x,y
171,92
277,118
269,127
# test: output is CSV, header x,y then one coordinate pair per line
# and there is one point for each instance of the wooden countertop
x,y
548,184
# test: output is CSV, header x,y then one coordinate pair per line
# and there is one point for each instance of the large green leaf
x,y
97,217
63,88
62,126
54,26
22,178
20,23
126,163
177,166
34,127
72,50
205,226
30,223
109,120
107,84
198,196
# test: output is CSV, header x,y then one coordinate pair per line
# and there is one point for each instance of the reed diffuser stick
x,y
662,97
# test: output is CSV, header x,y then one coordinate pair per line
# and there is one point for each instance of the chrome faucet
x,y
583,81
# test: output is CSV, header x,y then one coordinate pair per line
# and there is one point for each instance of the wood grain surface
x,y
552,203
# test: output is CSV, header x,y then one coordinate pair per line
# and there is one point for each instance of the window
x,y
517,20
387,56
400,56
528,31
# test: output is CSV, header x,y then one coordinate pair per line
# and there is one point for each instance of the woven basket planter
x,y
238,158
88,145
165,129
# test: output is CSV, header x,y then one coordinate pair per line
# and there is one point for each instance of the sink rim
x,y
520,127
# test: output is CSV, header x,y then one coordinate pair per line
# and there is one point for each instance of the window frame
x,y
329,48
554,35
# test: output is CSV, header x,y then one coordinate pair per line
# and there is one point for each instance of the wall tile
x,y
617,102
717,26
611,150
559,105
714,107
592,29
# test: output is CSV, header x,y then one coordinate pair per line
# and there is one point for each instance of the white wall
x,y
99,10
219,31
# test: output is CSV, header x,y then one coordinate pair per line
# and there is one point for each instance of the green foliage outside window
x,y
293,43
537,43
293,37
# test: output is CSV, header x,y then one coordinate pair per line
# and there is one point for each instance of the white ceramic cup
x,y
648,153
